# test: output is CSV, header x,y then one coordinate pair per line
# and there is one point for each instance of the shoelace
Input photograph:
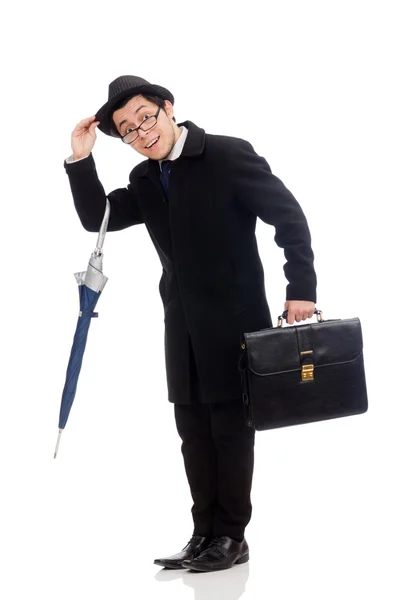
x,y
218,541
193,538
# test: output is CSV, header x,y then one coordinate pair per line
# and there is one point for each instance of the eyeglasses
x,y
146,124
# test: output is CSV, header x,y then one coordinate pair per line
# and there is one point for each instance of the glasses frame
x,y
140,127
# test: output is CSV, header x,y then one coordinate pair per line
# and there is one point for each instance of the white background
x,y
311,86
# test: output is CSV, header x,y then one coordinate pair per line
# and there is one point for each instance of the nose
x,y
143,134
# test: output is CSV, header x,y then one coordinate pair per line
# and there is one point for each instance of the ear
x,y
169,109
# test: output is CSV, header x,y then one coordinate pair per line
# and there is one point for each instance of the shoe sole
x,y
168,566
245,558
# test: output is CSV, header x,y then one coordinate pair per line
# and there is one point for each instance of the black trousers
x,y
218,453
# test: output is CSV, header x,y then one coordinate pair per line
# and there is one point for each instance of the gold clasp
x,y
307,373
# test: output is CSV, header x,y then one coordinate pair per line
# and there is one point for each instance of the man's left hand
x,y
299,310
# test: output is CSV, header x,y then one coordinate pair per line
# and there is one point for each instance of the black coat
x,y
212,285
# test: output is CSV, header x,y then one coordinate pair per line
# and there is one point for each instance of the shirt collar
x,y
178,147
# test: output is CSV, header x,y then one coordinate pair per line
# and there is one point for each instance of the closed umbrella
x,y
90,285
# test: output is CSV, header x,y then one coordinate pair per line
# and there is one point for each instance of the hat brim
x,y
104,114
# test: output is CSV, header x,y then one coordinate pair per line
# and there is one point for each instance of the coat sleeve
x,y
90,198
265,196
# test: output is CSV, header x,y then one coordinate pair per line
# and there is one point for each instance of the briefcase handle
x,y
285,315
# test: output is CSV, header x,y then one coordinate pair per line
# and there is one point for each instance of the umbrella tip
x,y
58,440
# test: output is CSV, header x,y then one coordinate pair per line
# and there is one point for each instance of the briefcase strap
x,y
306,352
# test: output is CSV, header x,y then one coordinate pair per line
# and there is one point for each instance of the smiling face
x,y
137,110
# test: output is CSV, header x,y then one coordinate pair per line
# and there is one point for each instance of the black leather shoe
x,y
192,549
222,553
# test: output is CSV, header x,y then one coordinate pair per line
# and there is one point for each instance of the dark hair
x,y
154,99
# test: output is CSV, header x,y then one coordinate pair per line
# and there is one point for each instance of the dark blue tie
x,y
165,171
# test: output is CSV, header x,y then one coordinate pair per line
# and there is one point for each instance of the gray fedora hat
x,y
121,88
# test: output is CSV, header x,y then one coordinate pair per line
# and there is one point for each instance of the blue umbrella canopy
x,y
90,284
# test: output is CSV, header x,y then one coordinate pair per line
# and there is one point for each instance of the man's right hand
x,y
83,137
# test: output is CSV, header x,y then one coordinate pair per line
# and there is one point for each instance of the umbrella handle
x,y
102,230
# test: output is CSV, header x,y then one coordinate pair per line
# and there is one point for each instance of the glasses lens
x,y
148,123
130,137
133,135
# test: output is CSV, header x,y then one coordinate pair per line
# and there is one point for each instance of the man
x,y
199,196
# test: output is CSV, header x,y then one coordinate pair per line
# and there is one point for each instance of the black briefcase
x,y
304,373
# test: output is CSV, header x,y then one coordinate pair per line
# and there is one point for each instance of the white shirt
x,y
174,154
